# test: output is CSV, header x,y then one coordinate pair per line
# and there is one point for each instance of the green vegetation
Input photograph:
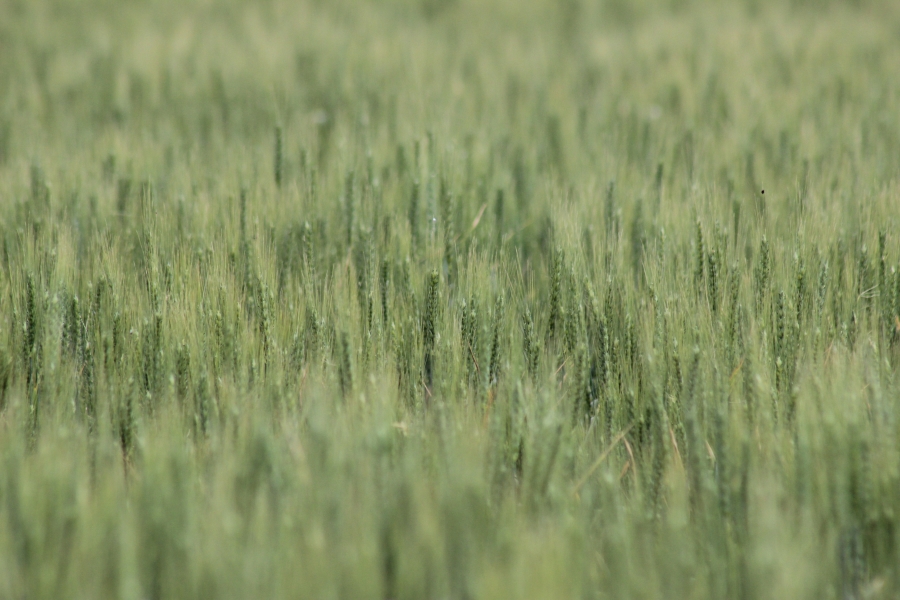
x,y
409,299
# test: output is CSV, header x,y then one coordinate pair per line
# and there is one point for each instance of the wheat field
x,y
450,299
